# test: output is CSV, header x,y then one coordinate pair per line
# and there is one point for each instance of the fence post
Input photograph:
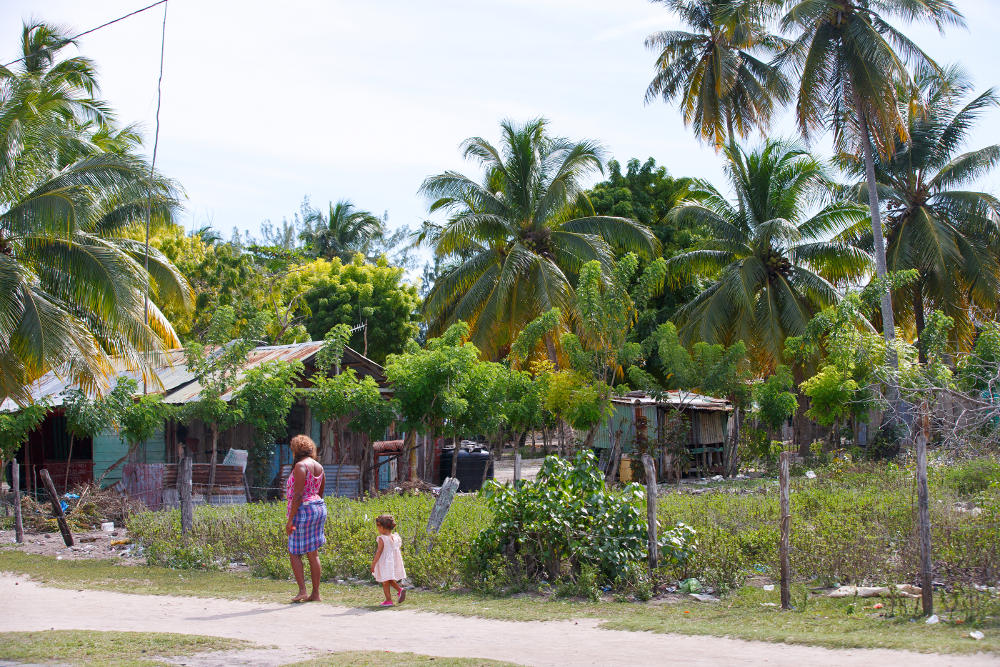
x,y
654,545
18,525
441,506
57,508
786,520
924,516
517,467
184,491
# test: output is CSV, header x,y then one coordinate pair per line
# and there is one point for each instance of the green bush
x,y
968,478
563,523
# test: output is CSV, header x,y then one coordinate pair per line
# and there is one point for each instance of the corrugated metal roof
x,y
179,386
681,399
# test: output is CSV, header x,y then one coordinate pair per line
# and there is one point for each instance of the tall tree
x,y
949,234
851,60
342,232
71,187
720,70
768,265
520,245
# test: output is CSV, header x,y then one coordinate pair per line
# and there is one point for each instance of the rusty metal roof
x,y
179,386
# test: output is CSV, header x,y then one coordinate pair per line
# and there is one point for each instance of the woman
x,y
306,514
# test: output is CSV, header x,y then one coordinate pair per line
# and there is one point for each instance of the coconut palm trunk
x,y
885,299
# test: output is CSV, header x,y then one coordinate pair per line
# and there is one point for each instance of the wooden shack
x,y
637,418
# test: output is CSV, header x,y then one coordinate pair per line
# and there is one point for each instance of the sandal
x,y
387,603
402,595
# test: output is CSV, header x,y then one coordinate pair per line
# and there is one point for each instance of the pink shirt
x,y
309,493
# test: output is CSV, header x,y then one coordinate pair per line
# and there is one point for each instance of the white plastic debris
x,y
976,634
810,474
108,526
933,620
768,587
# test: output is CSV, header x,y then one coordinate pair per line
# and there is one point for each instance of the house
x,y
90,459
689,428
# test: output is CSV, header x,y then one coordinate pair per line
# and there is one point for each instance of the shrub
x,y
565,520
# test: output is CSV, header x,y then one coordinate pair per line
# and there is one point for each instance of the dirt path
x,y
29,606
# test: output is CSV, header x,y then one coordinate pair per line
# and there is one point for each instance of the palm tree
x,y
768,267
724,87
517,235
851,60
72,191
949,234
342,232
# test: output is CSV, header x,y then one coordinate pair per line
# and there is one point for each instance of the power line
x,y
103,25
152,165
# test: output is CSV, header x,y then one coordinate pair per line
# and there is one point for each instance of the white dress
x,y
390,564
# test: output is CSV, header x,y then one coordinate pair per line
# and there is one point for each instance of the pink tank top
x,y
310,491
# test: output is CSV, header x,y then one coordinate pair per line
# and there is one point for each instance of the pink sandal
x,y
387,603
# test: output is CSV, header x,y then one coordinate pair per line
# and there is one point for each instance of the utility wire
x,y
152,165
103,25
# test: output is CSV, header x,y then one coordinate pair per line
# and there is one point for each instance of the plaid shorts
x,y
309,523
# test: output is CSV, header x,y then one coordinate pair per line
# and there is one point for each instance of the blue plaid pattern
x,y
309,523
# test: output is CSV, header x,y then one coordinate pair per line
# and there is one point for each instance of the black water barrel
x,y
470,468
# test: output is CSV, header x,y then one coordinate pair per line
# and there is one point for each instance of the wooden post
x,y
57,508
440,510
517,467
18,525
924,516
184,491
654,545
786,521
211,470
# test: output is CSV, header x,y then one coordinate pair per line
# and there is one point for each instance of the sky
x,y
264,103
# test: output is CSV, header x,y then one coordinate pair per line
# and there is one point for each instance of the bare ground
x,y
317,628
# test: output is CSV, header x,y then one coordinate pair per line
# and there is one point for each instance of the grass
x,y
746,614
118,649
382,658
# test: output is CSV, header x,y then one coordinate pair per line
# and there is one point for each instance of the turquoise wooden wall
x,y
108,448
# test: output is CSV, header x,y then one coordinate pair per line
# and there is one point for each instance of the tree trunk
x,y
785,528
454,457
923,510
69,458
550,349
918,320
881,270
57,508
211,468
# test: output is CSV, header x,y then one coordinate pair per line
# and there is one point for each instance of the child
x,y
388,563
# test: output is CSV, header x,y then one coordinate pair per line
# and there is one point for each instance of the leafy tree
x,y
774,402
949,234
263,402
978,372
519,250
71,186
648,194
343,232
720,72
371,294
15,427
217,364
138,419
851,60
769,266
251,280
430,384
86,416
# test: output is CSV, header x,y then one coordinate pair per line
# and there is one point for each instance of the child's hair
x,y
302,446
386,521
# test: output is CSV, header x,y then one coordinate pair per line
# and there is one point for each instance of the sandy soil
x,y
295,629
91,544
503,471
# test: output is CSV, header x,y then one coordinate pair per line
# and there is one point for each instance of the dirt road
x,y
29,606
